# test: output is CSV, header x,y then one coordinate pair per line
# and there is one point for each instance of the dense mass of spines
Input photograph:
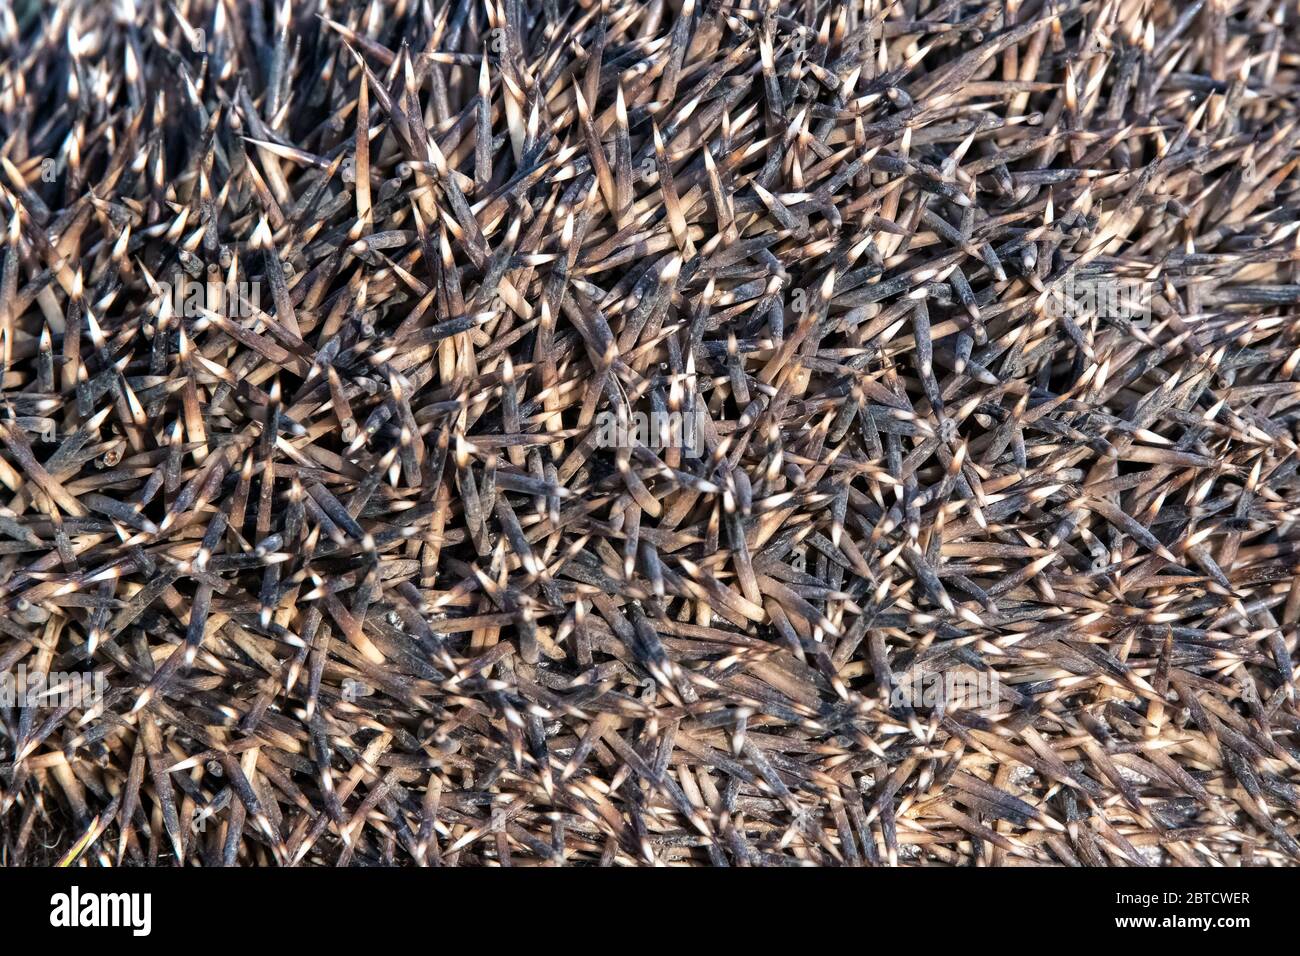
x,y
342,528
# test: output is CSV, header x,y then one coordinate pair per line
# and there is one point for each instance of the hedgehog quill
x,y
691,433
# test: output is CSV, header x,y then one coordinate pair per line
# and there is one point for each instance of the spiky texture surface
x,y
373,570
